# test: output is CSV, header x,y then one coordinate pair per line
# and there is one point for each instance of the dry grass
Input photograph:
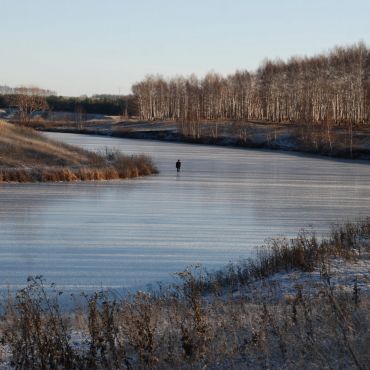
x,y
305,252
186,327
27,156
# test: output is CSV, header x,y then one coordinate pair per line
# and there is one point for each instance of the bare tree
x,y
28,101
321,91
80,116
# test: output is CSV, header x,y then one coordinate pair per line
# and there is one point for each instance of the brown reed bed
x,y
189,327
27,156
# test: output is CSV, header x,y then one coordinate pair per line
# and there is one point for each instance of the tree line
x,y
115,105
330,88
29,101
7,90
109,104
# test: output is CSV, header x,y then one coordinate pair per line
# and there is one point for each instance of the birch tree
x,y
324,90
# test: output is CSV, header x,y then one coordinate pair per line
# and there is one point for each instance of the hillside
x,y
27,156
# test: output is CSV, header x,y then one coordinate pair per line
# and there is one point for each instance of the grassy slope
x,y
26,155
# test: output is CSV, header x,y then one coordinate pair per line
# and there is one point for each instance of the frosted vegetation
x,y
236,318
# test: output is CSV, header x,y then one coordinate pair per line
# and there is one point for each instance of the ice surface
x,y
128,233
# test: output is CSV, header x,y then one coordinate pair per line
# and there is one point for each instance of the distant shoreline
x,y
283,137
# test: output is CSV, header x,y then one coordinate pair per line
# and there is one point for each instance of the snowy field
x,y
225,201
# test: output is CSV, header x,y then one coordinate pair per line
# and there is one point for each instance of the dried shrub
x,y
36,330
246,323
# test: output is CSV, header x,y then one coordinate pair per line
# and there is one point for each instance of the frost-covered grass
x,y
303,303
27,156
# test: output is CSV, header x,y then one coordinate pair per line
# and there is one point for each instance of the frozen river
x,y
128,233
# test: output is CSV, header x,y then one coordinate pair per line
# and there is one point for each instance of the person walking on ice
x,y
178,165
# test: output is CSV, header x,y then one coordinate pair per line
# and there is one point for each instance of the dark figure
x,y
178,165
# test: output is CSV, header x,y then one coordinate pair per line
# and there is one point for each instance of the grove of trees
x,y
121,105
331,88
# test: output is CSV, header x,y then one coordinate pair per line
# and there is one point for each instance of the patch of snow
x,y
341,274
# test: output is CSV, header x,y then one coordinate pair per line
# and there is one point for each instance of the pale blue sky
x,y
103,46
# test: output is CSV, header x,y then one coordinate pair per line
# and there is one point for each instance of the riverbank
x,y
302,303
334,141
28,156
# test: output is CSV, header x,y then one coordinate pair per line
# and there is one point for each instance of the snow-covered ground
x,y
339,274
